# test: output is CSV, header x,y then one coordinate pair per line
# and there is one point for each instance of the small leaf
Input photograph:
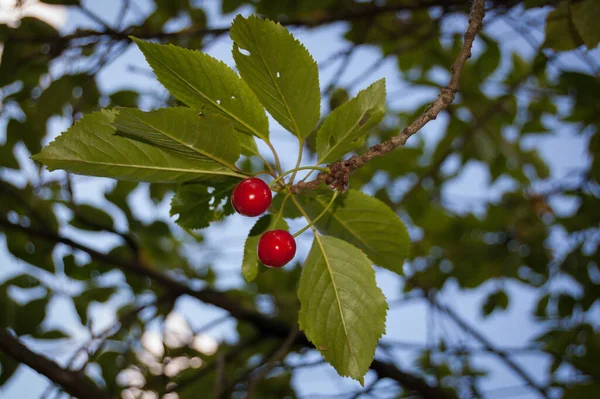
x,y
251,264
204,82
496,300
365,222
52,334
342,309
197,205
90,147
566,305
99,294
345,129
585,15
280,71
182,130
561,34
90,218
542,305
23,281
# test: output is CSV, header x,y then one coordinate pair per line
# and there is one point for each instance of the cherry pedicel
x,y
251,197
276,248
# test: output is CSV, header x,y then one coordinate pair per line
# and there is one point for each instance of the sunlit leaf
x,y
345,129
90,148
280,71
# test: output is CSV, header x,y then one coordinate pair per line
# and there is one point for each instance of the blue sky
x,y
407,322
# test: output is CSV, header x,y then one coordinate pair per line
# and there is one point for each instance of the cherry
x,y
276,248
251,197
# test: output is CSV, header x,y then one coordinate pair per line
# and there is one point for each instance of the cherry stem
x,y
315,220
272,184
264,172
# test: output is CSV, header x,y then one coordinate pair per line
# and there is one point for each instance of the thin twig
x,y
279,355
74,383
340,171
490,347
265,325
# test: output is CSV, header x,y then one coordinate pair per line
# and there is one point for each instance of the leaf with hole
x,y
204,82
345,129
280,71
90,147
342,310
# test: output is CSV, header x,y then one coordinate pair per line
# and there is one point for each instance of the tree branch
x,y
74,383
490,347
265,325
339,172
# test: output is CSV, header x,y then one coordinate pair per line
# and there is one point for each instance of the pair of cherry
x,y
252,197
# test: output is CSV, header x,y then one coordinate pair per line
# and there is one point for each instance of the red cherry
x,y
276,248
251,197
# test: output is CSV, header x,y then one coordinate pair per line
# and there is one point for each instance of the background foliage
x,y
530,225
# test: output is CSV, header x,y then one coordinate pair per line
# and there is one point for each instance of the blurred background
x,y
500,194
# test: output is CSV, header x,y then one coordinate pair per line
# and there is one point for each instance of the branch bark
x,y
264,325
74,383
339,172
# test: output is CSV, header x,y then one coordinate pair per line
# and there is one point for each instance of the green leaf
x,y
342,309
561,34
280,71
204,82
363,221
90,148
250,263
197,205
22,281
183,130
585,15
345,128
289,211
52,334
496,300
99,294
36,313
583,391
566,305
90,218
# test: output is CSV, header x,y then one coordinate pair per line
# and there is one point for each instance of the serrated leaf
x,y
342,310
585,15
345,129
250,263
90,147
99,294
363,221
197,205
280,71
183,130
204,82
